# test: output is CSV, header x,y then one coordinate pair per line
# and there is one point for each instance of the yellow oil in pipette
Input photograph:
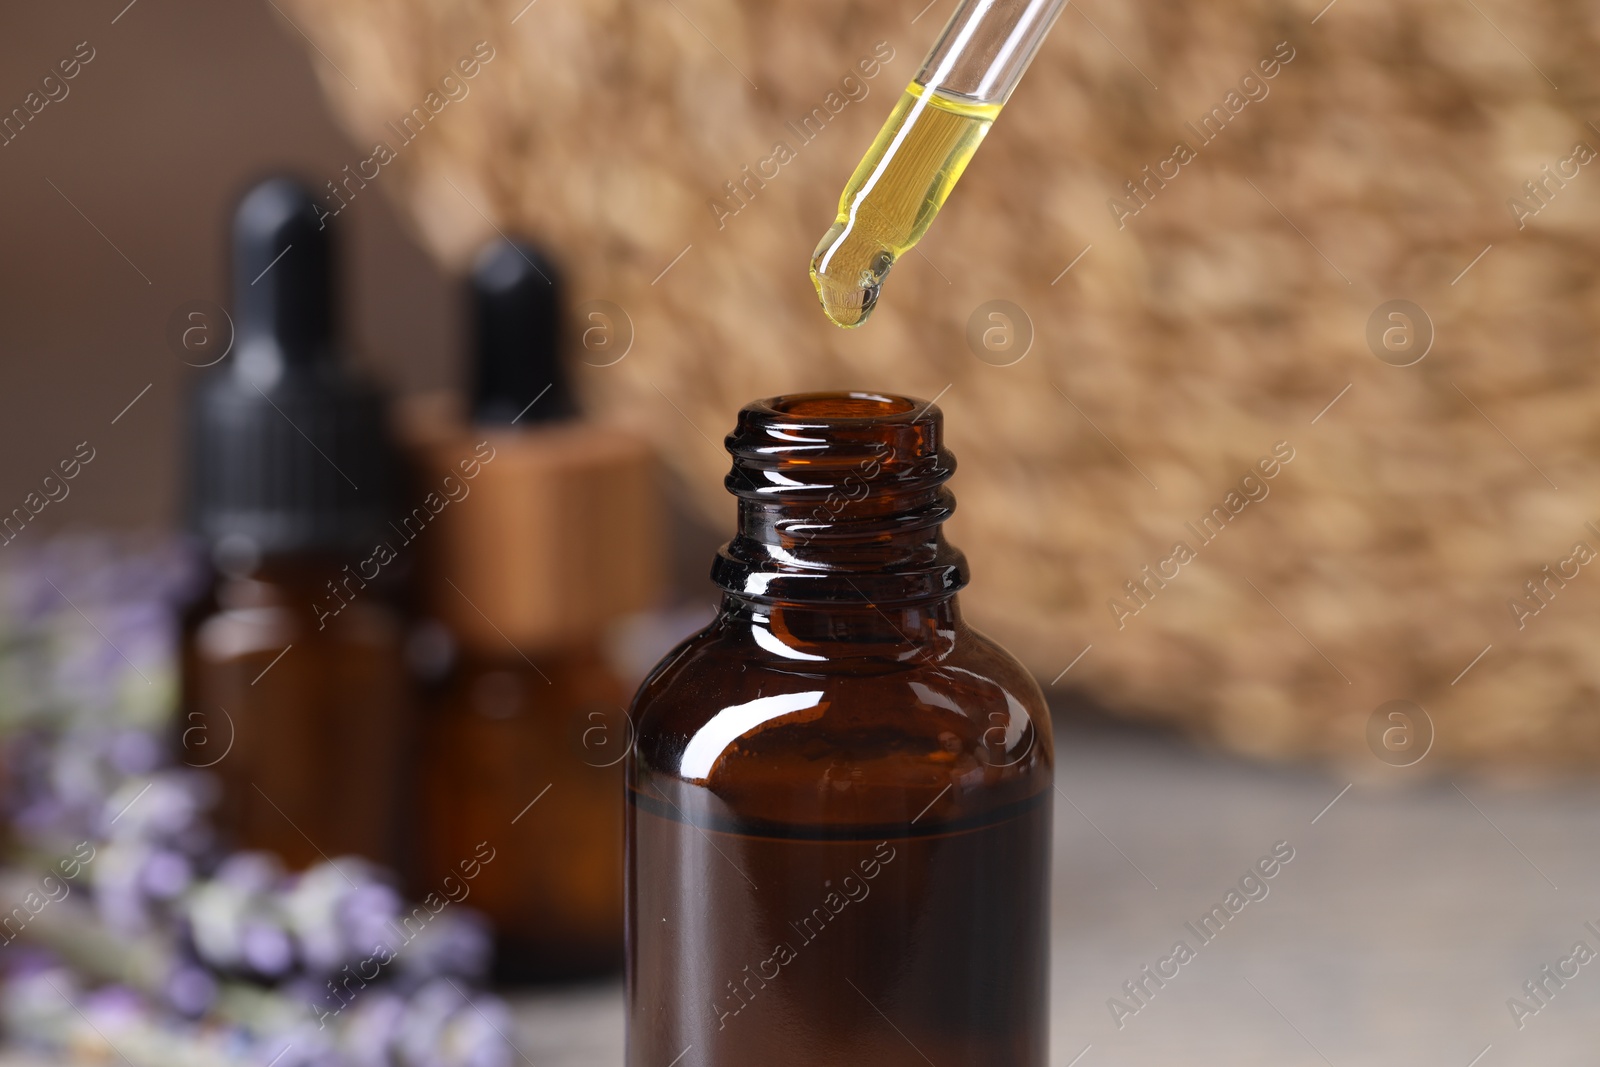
x,y
893,196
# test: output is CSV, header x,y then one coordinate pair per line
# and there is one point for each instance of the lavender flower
x,y
236,963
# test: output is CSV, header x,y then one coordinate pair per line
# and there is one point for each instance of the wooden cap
x,y
545,535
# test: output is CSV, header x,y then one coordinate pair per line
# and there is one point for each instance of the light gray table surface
x,y
1416,904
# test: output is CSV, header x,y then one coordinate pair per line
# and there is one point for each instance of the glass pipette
x,y
905,177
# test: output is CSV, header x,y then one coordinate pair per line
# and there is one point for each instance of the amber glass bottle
x,y
839,797
547,534
295,688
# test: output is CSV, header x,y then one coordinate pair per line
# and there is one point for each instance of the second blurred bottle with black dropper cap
x,y
293,663
552,534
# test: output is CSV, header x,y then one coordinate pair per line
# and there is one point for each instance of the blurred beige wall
x,y
183,103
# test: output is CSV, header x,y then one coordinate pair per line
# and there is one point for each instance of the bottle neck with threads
x,y
840,542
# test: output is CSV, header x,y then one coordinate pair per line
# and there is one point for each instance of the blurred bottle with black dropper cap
x,y
551,535
294,677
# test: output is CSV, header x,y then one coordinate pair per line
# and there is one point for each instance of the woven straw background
x,y
1172,356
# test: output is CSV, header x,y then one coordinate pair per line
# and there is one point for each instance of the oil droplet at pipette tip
x,y
847,300
893,196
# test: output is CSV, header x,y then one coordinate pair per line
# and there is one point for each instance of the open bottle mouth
x,y
841,497
796,445
842,405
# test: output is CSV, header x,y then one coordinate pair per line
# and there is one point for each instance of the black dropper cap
x,y
290,452
518,375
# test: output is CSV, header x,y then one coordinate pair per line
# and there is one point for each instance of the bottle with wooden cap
x,y
547,533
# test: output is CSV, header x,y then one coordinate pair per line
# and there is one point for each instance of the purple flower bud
x,y
112,1006
166,874
365,914
313,906
135,752
370,1028
250,872
190,990
267,949
457,942
121,907
40,815
29,960
422,1026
